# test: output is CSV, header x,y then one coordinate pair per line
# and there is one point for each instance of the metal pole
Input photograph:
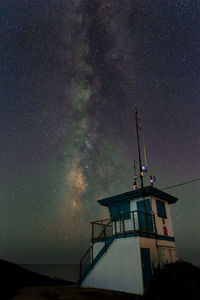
x,y
138,143
140,164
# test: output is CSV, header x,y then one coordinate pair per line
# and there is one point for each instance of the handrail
x,y
99,221
133,215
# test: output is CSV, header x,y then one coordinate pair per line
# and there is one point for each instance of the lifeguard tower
x,y
137,238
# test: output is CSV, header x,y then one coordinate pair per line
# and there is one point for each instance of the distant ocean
x,y
66,272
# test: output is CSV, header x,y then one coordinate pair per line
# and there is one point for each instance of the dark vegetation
x,y
179,280
14,277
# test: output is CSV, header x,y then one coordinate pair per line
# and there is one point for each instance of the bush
x,y
178,280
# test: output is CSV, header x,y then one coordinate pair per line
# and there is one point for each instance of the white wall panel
x,y
119,268
97,247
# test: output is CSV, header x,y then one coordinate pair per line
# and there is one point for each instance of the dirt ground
x,y
70,292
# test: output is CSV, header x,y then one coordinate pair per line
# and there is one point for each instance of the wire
x,y
183,183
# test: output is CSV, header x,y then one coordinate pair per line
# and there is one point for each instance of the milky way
x,y
71,73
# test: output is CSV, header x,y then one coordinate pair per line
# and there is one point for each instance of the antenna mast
x,y
138,126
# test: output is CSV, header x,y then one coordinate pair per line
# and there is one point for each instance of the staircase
x,y
106,241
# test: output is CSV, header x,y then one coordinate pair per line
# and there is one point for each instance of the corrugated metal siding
x,y
119,269
97,247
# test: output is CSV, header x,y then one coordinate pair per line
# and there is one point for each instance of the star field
x,y
71,73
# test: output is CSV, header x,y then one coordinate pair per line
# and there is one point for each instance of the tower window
x,y
161,210
120,209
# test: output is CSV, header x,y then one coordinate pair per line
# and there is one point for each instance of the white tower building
x,y
127,248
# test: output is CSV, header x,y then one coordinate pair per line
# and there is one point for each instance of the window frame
x,y
161,209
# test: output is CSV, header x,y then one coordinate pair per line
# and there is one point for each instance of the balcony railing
x,y
99,226
134,221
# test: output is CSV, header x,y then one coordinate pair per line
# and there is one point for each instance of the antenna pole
x,y
138,143
140,163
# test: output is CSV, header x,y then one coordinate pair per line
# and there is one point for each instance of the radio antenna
x,y
138,126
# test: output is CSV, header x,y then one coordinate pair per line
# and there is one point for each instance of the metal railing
x,y
134,221
130,221
98,228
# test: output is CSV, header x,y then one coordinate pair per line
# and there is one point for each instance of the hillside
x,y
14,277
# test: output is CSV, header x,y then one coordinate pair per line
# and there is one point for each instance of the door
x,y
145,221
146,265
167,255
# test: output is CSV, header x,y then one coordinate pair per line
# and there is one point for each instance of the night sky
x,y
71,72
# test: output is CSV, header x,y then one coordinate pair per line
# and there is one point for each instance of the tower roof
x,y
147,191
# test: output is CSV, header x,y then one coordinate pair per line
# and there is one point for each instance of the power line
x,y
179,184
